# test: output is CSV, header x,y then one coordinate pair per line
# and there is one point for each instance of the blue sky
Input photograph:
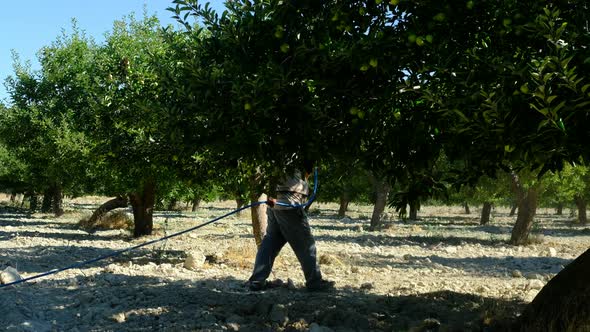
x,y
26,26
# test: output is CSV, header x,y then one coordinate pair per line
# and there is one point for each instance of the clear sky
x,y
26,26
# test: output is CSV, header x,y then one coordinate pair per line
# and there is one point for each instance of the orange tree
x,y
311,80
41,127
512,80
132,130
510,89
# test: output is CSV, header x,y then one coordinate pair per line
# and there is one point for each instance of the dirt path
x,y
444,271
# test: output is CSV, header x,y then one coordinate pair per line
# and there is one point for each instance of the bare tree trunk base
x,y
383,189
259,219
143,209
564,303
486,211
524,221
344,201
581,205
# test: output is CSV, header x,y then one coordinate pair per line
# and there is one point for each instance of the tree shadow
x,y
19,222
485,265
374,240
475,266
465,220
60,236
6,236
339,227
571,231
21,225
10,216
42,259
116,302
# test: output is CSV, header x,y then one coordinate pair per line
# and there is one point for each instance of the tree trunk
x,y
26,197
47,197
466,205
143,209
12,198
527,207
259,218
117,202
196,204
486,211
258,215
513,209
414,207
172,204
581,204
56,202
559,209
563,304
383,189
344,201
240,203
33,202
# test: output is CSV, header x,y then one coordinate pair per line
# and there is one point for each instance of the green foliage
x,y
562,187
428,94
40,128
13,172
129,125
339,178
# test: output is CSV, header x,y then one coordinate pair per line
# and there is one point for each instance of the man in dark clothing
x,y
288,224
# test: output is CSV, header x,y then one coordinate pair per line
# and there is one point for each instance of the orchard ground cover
x,y
442,272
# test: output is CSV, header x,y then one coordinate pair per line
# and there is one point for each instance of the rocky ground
x,y
444,272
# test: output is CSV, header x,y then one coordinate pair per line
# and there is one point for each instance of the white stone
x,y
535,284
551,252
517,274
9,275
194,260
534,276
119,317
233,326
451,250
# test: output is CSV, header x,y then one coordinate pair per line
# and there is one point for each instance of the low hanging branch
x,y
98,214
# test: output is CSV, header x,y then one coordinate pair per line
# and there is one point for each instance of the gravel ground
x,y
444,272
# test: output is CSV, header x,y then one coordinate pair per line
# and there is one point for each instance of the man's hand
x,y
271,202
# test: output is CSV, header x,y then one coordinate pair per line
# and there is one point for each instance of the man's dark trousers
x,y
287,226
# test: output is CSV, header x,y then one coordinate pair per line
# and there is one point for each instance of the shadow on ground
x,y
113,302
42,259
376,239
475,266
